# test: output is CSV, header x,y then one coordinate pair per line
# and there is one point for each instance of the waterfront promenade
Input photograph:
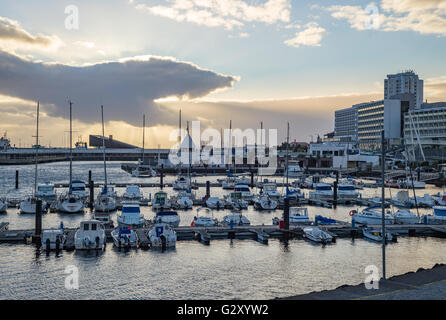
x,y
421,285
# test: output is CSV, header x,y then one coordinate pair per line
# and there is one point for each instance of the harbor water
x,y
226,269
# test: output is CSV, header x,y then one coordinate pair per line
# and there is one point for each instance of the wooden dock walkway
x,y
260,233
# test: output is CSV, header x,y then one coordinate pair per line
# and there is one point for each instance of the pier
x,y
260,233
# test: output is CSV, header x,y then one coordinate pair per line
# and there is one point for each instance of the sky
x,y
249,61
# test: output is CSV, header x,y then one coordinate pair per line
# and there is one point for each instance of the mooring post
x,y
208,189
418,174
286,214
89,177
335,194
17,179
38,226
162,176
252,179
91,186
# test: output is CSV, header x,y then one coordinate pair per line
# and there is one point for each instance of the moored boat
x,y
162,236
125,238
90,235
317,235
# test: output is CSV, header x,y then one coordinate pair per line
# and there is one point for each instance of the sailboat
x,y
29,204
142,170
105,202
70,202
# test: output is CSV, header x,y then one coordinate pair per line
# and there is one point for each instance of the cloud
x,y
422,16
13,36
127,87
435,89
85,44
311,36
221,13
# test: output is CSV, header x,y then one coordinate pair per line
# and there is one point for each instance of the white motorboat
x,y
125,238
182,183
132,193
439,216
412,183
3,206
295,194
105,202
299,215
293,171
204,221
322,191
235,201
162,236
53,239
270,189
79,188
264,202
371,216
46,191
346,191
405,217
170,217
425,201
143,171
90,235
104,218
131,216
440,199
215,203
244,190
236,219
317,235
70,203
160,201
376,235
184,200
28,206
229,183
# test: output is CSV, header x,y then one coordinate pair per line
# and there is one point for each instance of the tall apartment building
x,y
346,124
404,83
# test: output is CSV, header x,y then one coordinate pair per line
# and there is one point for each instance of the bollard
x,y
38,223
17,179
91,185
286,214
208,189
162,177
335,194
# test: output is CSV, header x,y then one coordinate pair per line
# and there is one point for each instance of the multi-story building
x,y
426,127
404,83
346,124
370,124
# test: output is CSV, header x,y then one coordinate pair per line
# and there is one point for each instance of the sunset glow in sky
x,y
218,60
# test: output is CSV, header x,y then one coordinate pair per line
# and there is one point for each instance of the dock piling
x,y
162,177
252,179
17,179
91,186
335,194
38,222
286,214
208,189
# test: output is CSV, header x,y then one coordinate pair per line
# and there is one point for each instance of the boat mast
x,y
189,144
71,147
179,139
287,143
230,145
261,146
103,147
143,135
37,148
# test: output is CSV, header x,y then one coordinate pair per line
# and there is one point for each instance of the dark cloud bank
x,y
127,89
